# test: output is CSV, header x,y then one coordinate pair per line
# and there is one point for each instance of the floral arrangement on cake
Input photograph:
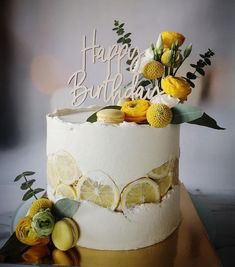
x,y
158,68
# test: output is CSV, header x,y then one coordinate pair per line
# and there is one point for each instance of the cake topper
x,y
156,93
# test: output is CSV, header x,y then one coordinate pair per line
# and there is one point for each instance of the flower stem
x,y
30,187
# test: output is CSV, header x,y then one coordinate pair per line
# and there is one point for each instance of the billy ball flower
x,y
153,70
176,87
159,115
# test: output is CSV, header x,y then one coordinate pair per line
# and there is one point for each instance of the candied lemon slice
x,y
99,188
161,171
164,184
143,190
66,167
66,191
52,177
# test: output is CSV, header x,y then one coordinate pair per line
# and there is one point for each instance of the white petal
x,y
165,99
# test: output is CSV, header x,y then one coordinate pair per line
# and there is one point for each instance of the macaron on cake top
x,y
110,116
65,234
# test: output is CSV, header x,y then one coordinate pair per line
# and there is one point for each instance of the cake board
x,y
188,246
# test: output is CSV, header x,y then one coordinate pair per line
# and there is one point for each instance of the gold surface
x,y
188,246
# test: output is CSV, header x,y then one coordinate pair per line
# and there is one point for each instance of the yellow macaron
x,y
110,116
65,234
68,258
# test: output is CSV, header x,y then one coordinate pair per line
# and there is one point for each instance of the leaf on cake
x,y
185,113
207,121
65,208
27,173
93,117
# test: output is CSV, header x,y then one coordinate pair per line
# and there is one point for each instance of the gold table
x,y
188,246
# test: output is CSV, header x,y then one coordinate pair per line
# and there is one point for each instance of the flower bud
x,y
188,50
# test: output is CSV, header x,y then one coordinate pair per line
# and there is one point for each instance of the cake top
x,y
155,94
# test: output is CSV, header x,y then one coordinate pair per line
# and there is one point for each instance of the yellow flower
x,y
35,254
38,205
165,58
153,70
135,110
170,37
26,234
176,87
159,115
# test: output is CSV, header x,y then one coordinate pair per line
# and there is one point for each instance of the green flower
x,y
43,222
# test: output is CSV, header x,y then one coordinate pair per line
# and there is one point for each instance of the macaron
x,y
65,234
110,116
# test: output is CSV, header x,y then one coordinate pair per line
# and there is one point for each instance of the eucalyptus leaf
x,y
18,177
65,207
28,173
93,117
200,64
184,113
207,121
27,184
201,71
191,76
127,35
120,40
121,25
207,60
120,32
28,195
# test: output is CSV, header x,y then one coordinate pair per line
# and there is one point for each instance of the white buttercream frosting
x,y
125,152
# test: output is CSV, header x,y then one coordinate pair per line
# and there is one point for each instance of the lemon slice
x,y
143,190
99,188
66,167
66,191
164,184
161,171
52,177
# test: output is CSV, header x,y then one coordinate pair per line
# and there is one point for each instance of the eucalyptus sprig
x,y
27,185
124,38
198,67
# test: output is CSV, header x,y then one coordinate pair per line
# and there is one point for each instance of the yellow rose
x,y
176,87
170,37
135,110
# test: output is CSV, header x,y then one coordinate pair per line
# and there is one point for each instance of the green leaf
x,y
202,56
28,173
191,76
120,32
27,184
114,29
116,22
18,177
201,71
127,41
120,40
38,190
65,208
185,113
207,60
121,25
127,35
194,66
28,195
200,63
207,121
93,117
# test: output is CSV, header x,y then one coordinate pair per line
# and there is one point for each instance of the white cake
x,y
115,155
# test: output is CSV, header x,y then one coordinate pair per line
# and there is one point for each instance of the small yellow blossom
x,y
176,87
159,115
171,37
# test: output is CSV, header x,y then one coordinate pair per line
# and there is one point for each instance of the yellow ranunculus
x,y
170,37
176,87
26,234
135,110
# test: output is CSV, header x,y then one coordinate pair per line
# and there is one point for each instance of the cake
x,y
119,156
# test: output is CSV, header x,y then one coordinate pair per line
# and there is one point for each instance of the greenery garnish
x,y
198,67
27,185
65,208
